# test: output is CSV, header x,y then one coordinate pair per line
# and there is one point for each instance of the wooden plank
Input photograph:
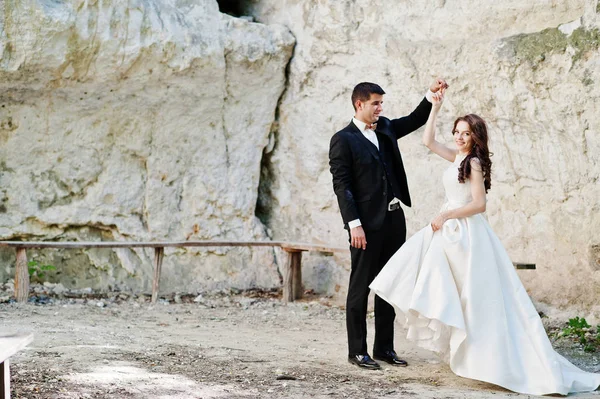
x,y
12,343
312,247
288,279
5,380
158,258
292,275
134,244
9,345
156,244
21,276
524,266
297,274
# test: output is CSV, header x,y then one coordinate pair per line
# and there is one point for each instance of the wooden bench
x,y
292,276
9,345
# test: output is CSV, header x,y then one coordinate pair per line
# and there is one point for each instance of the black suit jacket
x,y
359,178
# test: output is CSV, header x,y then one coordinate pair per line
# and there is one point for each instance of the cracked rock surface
x,y
141,120
154,120
529,68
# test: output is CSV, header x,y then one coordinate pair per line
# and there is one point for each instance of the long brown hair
x,y
480,150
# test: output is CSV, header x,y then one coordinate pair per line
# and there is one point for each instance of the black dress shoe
x,y
391,358
364,361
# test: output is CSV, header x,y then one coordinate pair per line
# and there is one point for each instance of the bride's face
x,y
463,137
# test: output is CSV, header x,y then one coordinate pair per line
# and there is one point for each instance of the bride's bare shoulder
x,y
476,164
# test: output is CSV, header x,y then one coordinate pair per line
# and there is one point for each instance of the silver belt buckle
x,y
394,204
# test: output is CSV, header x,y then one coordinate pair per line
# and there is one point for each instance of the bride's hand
x,y
438,222
438,98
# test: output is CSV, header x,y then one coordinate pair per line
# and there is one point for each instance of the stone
x,y
245,302
59,289
531,77
9,286
594,252
138,121
155,122
39,289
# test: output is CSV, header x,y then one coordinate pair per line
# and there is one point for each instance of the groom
x,y
369,182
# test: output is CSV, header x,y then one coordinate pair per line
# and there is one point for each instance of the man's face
x,y
370,110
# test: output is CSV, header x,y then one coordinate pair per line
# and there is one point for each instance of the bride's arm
x,y
477,205
429,133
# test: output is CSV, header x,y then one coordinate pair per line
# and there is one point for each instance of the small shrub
x,y
580,331
37,271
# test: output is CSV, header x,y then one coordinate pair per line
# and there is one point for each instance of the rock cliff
x,y
140,120
171,120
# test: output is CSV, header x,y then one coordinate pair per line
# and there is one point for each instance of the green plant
x,y
589,348
38,271
580,331
576,326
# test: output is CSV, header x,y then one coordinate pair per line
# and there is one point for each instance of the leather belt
x,y
394,205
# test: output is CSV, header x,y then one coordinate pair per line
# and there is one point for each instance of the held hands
x,y
358,238
439,221
438,98
438,88
438,84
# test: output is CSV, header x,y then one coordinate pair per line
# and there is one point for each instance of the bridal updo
x,y
479,151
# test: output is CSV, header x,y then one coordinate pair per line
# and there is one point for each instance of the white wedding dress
x,y
459,296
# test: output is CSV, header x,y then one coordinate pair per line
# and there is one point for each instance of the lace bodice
x,y
457,194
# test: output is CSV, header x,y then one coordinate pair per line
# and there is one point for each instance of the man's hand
x,y
358,238
438,84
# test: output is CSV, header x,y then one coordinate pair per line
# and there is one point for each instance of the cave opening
x,y
236,8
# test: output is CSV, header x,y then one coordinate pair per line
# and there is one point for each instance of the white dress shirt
x,y
372,137
368,133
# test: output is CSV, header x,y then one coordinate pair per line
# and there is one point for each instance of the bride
x,y
458,291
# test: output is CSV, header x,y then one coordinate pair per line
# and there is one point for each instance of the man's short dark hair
x,y
363,91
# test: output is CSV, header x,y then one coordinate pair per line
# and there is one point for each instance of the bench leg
x,y
297,272
292,278
4,380
21,276
159,253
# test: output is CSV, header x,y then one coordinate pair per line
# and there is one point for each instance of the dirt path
x,y
219,347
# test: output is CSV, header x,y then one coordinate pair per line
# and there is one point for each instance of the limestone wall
x,y
138,120
170,120
529,68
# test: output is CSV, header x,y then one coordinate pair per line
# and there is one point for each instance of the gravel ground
x,y
220,345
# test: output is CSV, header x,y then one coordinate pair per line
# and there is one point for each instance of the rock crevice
x,y
161,122
138,117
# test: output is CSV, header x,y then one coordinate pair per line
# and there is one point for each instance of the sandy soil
x,y
245,345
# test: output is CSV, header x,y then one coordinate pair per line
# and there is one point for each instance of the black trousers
x,y
381,245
